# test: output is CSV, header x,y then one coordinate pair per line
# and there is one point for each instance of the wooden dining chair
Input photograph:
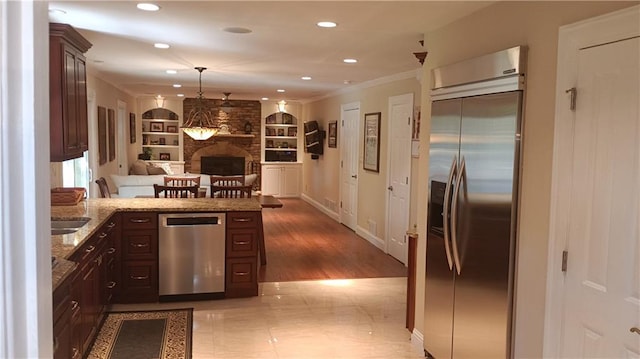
x,y
181,180
229,187
175,191
104,188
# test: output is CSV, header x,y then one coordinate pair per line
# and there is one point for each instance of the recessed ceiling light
x,y
350,61
237,30
98,61
177,85
148,6
280,90
172,72
159,45
180,95
306,78
264,98
346,82
327,24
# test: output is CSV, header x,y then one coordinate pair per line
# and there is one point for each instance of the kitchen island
x,y
114,258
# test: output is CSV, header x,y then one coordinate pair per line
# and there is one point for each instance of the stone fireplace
x,y
244,140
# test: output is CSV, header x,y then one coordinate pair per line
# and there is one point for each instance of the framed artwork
x,y
165,156
162,141
102,135
292,132
281,132
270,131
132,128
111,114
287,118
271,118
157,127
333,134
372,141
269,144
172,129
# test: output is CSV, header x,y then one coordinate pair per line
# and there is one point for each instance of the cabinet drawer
x,y
139,220
242,242
139,282
241,277
139,245
242,219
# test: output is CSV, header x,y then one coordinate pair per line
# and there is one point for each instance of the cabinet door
x,y
70,136
290,186
82,129
271,180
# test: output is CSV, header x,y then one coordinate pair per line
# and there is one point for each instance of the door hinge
x,y
408,120
406,180
340,204
565,255
573,92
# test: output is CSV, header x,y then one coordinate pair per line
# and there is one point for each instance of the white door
x,y
602,302
400,113
349,124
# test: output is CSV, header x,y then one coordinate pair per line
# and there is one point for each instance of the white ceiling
x,y
284,45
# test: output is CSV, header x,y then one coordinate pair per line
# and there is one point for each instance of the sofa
x,y
143,176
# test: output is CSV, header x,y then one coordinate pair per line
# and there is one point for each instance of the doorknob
x,y
635,330
354,176
390,188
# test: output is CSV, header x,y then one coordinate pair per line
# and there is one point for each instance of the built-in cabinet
x,y
281,138
139,267
161,137
241,257
282,179
68,126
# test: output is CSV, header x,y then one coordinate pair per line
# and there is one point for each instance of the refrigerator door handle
x,y
454,215
445,211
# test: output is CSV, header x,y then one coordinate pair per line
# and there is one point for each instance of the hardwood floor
x,y
303,243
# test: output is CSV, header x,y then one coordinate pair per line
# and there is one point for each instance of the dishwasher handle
x,y
192,221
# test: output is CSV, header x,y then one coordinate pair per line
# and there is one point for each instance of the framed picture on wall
x,y
333,134
111,113
372,142
172,129
132,128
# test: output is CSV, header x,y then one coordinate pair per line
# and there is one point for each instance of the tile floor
x,y
348,319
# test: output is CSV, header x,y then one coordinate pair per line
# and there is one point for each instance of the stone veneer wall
x,y
243,111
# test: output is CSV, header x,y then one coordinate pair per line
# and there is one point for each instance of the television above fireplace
x,y
223,166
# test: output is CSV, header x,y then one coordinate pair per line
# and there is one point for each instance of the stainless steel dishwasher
x,y
191,255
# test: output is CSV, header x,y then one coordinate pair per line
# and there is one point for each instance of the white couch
x,y
142,185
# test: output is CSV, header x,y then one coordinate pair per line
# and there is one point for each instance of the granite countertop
x,y
100,209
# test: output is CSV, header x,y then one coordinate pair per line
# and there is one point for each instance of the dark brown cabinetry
x,y
67,92
139,260
62,345
89,293
241,267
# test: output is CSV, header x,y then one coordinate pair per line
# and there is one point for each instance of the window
x,y
75,172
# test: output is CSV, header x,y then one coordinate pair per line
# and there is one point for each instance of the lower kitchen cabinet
x,y
139,258
241,264
281,180
62,343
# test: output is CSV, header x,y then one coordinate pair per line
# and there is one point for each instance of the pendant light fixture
x,y
199,124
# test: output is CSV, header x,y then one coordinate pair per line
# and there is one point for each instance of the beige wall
x,y
321,177
106,95
494,28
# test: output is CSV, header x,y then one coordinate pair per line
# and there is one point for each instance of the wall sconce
x,y
159,101
282,106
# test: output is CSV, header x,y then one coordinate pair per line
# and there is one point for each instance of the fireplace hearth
x,y
223,166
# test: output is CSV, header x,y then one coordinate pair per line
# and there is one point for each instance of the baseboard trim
x,y
378,242
333,215
417,339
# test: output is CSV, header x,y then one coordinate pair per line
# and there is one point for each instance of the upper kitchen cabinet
x,y
67,92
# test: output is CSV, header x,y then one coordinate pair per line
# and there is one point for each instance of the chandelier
x,y
199,124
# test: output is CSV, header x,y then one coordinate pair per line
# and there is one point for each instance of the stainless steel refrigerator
x,y
476,120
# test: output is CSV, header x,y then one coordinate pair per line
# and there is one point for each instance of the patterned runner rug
x,y
149,334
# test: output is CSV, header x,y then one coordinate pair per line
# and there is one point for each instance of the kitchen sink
x,y
69,223
55,231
